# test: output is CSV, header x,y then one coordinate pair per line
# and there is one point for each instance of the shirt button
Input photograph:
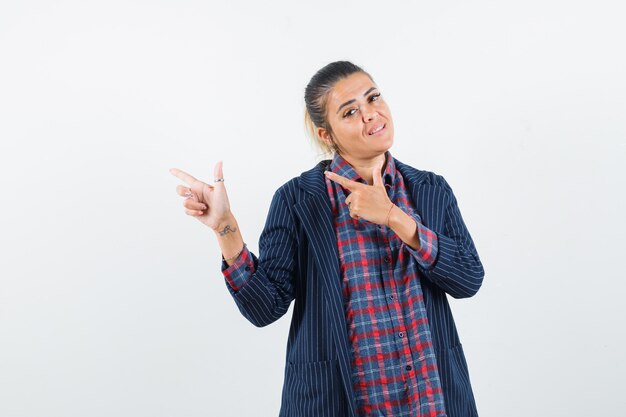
x,y
409,367
391,297
387,259
247,268
401,334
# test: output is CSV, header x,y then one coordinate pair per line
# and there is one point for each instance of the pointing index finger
x,y
182,175
345,182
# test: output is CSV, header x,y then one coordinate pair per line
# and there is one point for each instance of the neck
x,y
364,167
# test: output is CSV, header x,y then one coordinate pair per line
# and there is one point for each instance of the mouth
x,y
377,130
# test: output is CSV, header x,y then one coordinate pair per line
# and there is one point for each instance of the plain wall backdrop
x,y
112,302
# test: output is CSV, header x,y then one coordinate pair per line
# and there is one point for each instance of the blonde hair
x,y
311,131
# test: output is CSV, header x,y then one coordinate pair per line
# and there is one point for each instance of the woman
x,y
367,247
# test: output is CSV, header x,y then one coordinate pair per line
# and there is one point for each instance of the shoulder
x,y
308,183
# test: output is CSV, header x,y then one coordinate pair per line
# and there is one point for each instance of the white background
x,y
111,298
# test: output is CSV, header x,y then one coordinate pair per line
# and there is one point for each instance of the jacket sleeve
x,y
263,287
457,268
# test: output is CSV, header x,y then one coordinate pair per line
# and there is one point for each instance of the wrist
x,y
405,227
226,225
398,219
230,259
395,217
388,216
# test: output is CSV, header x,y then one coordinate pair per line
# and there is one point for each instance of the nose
x,y
368,113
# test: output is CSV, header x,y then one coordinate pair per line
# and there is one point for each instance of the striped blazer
x,y
298,260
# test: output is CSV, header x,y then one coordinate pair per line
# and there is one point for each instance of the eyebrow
x,y
353,100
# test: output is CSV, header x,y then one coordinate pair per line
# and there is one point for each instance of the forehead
x,y
351,87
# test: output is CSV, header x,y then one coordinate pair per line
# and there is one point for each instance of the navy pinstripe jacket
x,y
298,260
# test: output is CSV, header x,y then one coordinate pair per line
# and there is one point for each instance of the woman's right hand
x,y
207,203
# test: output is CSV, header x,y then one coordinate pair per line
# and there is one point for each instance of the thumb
x,y
376,174
218,173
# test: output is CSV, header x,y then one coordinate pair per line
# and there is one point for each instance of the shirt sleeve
x,y
240,272
426,254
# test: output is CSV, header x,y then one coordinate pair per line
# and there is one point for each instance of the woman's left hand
x,y
369,202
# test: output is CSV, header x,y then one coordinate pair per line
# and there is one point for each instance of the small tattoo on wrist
x,y
227,230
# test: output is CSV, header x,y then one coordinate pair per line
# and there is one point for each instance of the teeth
x,y
377,129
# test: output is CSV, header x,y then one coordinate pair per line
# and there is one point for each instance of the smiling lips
x,y
376,129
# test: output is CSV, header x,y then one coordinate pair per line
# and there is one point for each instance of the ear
x,y
325,136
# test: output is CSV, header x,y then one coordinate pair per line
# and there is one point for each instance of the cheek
x,y
348,131
386,112
357,133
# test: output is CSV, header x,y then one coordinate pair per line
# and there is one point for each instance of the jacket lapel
x,y
315,215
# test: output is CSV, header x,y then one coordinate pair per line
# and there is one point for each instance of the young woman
x,y
368,247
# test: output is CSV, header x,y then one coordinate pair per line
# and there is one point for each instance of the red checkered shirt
x,y
394,370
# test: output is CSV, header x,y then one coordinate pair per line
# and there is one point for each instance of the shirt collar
x,y
341,167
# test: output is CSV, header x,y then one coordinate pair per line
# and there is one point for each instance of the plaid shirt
x,y
394,370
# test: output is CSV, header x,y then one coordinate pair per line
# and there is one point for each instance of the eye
x,y
349,113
